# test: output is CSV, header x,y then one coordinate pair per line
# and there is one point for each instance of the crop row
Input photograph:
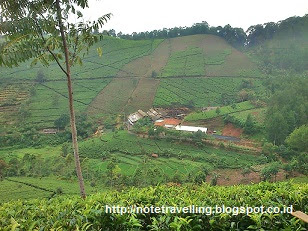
x,y
202,91
192,62
131,145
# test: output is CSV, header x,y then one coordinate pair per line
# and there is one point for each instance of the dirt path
x,y
131,94
144,94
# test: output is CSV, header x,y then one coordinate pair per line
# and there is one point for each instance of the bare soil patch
x,y
230,130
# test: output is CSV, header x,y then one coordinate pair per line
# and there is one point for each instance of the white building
x,y
190,128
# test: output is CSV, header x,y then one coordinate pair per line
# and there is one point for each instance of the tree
x,y
62,121
277,128
154,74
217,111
23,113
270,170
3,166
249,126
55,100
40,77
41,30
298,139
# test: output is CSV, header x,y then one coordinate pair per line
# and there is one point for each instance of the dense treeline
x,y
256,34
287,108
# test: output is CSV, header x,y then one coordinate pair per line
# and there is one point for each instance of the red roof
x,y
170,121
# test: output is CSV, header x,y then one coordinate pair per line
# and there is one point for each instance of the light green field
x,y
244,106
47,151
13,190
257,114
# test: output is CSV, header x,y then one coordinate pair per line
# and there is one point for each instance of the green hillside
x,y
121,81
200,116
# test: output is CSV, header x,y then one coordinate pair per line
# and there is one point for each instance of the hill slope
x,y
132,75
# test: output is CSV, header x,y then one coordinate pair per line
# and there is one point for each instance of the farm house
x,y
133,118
154,115
168,122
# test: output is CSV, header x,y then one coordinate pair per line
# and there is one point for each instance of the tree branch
x,y
75,48
40,32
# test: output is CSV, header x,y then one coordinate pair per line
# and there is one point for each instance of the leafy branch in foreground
x,y
41,30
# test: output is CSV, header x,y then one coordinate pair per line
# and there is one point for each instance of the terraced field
x,y
50,99
132,88
200,92
134,75
11,98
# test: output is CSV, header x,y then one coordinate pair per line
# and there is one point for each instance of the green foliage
x,y
271,170
249,126
3,166
90,79
277,128
62,121
239,118
40,77
288,106
61,212
127,144
298,139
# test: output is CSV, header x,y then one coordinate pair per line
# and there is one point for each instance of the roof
x,y
190,128
167,122
132,118
50,130
153,114
142,113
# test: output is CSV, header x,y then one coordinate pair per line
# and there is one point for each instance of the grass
x,y
223,111
12,190
46,152
257,114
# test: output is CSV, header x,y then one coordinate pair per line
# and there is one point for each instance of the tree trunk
x,y
71,103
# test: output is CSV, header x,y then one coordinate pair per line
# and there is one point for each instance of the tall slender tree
x,y
41,30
